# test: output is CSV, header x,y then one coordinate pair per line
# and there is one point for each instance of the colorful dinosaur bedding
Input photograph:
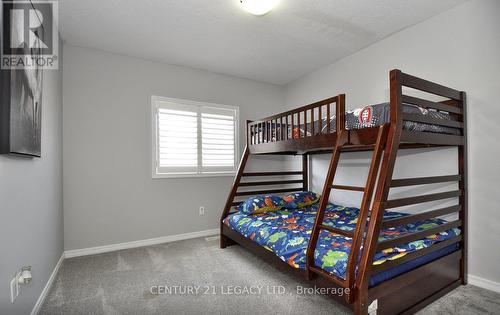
x,y
286,233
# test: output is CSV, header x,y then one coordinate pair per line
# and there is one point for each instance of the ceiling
x,y
296,38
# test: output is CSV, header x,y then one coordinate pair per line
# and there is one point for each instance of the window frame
x,y
199,171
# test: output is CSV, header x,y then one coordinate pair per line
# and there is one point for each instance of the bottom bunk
x,y
286,234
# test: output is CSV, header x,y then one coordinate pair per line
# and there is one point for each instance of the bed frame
x,y
409,291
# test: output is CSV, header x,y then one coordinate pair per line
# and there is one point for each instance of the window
x,y
193,139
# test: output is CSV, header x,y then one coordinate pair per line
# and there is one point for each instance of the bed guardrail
x,y
454,105
299,123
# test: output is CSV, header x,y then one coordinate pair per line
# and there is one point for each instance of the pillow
x,y
261,204
301,199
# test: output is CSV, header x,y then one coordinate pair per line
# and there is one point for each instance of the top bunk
x,y
434,117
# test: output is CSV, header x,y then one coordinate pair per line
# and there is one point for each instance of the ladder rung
x,y
337,231
344,187
328,276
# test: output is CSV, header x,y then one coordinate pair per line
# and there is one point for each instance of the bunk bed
x,y
431,255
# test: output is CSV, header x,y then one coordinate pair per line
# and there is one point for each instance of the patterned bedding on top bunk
x,y
371,116
286,233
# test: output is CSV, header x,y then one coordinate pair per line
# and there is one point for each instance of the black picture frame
x,y
20,99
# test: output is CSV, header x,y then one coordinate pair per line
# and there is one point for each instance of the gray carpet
x,y
120,282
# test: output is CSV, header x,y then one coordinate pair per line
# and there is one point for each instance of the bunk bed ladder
x,y
358,233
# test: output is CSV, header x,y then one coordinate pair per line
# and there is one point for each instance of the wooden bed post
x,y
381,194
462,185
340,113
225,241
305,172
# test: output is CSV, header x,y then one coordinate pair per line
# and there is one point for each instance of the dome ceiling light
x,y
258,7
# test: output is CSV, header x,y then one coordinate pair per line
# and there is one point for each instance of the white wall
x,y
109,195
459,48
31,212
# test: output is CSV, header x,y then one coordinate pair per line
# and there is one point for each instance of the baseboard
x,y
45,291
141,243
483,283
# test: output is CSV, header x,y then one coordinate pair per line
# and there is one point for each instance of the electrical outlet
x,y
202,210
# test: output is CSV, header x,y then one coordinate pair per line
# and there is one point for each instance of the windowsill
x,y
159,176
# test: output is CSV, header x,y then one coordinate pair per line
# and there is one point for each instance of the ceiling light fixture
x,y
258,7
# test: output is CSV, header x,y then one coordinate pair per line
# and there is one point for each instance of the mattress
x,y
370,116
286,233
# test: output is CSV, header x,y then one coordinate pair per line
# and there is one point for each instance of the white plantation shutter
x,y
177,138
192,138
218,139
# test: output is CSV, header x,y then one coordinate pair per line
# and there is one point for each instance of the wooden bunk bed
x,y
320,128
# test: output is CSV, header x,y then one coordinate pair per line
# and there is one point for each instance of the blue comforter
x,y
287,233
